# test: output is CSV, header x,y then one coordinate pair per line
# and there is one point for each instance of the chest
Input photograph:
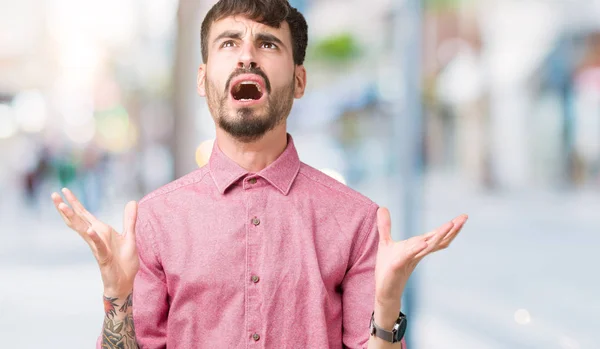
x,y
285,244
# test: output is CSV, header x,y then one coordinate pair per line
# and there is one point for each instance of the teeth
x,y
249,83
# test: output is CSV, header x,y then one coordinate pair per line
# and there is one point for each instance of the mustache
x,y
253,70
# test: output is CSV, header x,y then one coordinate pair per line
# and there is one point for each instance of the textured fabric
x,y
282,258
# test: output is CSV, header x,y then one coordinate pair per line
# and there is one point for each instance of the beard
x,y
250,124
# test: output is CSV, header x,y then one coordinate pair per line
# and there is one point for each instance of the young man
x,y
255,249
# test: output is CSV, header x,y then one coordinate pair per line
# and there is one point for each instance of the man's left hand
x,y
396,261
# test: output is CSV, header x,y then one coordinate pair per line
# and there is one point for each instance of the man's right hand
x,y
116,253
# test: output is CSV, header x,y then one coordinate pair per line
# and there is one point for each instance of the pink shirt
x,y
282,258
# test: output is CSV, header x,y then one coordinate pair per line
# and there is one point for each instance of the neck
x,y
257,155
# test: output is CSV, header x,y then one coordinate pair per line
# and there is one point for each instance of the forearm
x,y
118,330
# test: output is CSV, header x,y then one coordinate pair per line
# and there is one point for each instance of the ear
x,y
299,81
201,80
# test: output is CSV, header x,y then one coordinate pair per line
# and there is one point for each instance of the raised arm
x,y
118,261
396,260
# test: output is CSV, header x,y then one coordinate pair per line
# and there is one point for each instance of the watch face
x,y
400,329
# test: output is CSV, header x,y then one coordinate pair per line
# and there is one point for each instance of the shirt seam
x,y
353,197
365,234
155,195
154,246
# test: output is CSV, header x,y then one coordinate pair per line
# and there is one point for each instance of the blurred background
x,y
433,108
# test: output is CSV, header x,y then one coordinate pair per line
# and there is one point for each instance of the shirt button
x,y
255,221
255,278
256,337
252,180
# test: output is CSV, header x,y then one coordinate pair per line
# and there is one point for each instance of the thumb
x,y
129,219
384,225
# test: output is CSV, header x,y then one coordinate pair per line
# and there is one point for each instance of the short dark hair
x,y
268,12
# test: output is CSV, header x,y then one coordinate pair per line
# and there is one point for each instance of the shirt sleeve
x,y
358,286
150,297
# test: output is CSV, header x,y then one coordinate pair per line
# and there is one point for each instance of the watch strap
x,y
393,336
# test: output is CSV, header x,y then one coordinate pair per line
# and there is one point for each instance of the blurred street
x,y
528,251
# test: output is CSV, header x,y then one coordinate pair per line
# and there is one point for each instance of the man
x,y
256,249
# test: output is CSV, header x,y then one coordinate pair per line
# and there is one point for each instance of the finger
x,y
57,200
407,250
69,217
434,240
66,211
459,223
78,207
102,253
129,220
384,225
416,244
72,220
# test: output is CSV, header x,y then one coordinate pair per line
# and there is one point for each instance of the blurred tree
x,y
436,5
336,48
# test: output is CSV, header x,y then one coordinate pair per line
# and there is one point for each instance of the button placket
x,y
255,228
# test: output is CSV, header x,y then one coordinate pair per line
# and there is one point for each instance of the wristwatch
x,y
395,335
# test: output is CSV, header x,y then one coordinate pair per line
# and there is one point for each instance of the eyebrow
x,y
237,35
269,37
229,34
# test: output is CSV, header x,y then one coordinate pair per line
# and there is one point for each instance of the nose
x,y
247,57
245,65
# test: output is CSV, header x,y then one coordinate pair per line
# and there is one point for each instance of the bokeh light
x,y
522,317
81,133
203,152
334,174
30,111
8,125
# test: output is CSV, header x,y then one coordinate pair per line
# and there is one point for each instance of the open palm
x,y
396,260
116,253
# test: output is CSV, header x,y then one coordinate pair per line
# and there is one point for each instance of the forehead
x,y
249,27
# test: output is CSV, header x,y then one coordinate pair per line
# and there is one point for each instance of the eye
x,y
228,43
269,45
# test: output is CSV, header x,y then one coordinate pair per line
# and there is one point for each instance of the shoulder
x,y
175,187
336,191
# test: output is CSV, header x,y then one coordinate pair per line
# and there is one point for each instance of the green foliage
x,y
437,5
336,48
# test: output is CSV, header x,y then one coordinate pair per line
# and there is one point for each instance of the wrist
x,y
119,294
386,314
118,307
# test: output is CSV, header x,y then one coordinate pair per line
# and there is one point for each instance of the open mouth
x,y
246,91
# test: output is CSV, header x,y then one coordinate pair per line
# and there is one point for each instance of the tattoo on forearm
x,y
109,307
118,333
128,303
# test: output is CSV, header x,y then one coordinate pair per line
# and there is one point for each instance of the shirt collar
x,y
281,173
